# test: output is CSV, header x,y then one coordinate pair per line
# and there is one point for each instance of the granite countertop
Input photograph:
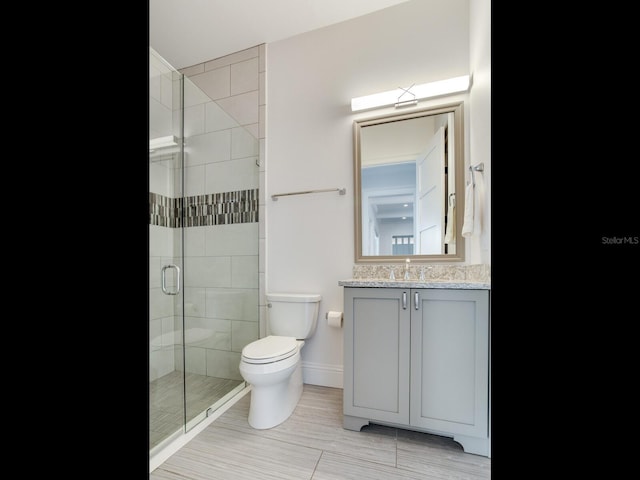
x,y
381,283
462,277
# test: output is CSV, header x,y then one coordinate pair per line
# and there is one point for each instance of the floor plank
x,y
312,445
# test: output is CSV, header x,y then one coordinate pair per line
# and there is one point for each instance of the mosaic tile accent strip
x,y
224,208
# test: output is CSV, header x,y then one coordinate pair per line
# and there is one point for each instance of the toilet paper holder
x,y
334,319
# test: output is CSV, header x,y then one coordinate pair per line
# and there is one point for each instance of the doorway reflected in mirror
x,y
408,168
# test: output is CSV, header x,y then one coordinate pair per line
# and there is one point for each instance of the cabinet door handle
x,y
404,300
416,300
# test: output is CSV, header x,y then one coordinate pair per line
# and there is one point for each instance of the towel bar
x,y
342,191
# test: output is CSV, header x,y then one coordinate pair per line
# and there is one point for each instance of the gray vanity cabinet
x,y
377,360
418,358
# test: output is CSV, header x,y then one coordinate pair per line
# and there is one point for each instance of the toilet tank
x,y
293,314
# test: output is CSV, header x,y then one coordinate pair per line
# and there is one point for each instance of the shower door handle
x,y
164,278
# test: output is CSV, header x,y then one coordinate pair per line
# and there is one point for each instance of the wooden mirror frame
x,y
458,142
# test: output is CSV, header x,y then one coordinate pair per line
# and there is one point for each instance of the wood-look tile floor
x,y
312,445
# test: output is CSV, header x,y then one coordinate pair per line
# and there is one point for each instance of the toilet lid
x,y
270,349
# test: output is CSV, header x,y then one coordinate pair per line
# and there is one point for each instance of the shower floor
x,y
166,415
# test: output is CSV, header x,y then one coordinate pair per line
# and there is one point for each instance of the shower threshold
x,y
165,449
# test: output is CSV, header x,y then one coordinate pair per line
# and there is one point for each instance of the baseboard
x,y
322,374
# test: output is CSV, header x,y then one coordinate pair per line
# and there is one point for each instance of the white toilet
x,y
272,364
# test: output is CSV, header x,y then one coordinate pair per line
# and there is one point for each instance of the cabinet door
x,y
450,361
376,353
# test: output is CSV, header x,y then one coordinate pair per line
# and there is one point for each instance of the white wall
x,y
479,245
310,80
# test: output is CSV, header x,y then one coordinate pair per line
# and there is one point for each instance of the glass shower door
x,y
221,243
166,318
204,243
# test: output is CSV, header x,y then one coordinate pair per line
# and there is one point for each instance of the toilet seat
x,y
272,348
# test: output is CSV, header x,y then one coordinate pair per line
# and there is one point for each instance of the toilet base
x,y
273,404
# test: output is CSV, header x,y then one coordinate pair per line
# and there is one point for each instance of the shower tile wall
x,y
223,244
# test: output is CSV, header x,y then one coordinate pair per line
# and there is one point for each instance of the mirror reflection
x,y
409,183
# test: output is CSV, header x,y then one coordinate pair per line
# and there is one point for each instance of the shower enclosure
x,y
203,253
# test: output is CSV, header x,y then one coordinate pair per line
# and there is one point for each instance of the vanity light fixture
x,y
418,92
162,142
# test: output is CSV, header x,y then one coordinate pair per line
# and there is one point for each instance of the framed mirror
x,y
409,186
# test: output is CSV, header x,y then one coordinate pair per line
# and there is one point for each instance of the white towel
x,y
450,234
467,227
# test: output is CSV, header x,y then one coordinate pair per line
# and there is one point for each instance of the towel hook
x,y
478,168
